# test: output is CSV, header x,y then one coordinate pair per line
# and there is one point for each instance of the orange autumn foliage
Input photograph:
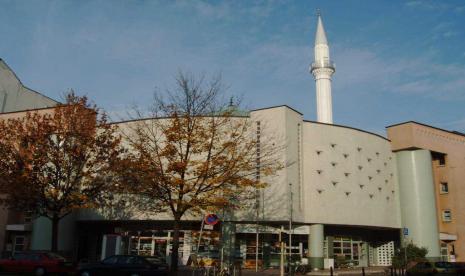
x,y
55,161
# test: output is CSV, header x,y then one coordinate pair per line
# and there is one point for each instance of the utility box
x,y
328,263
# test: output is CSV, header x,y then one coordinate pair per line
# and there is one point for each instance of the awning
x,y
447,237
18,227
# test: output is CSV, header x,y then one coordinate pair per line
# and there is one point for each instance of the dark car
x,y
36,263
125,265
436,268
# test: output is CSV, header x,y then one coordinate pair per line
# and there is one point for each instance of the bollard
x,y
363,271
331,270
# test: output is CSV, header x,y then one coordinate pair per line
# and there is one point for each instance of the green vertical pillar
x,y
316,243
41,236
418,200
228,241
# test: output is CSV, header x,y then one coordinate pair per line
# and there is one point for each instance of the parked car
x,y
436,268
127,265
37,263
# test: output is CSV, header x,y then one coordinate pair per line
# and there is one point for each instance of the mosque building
x,y
349,195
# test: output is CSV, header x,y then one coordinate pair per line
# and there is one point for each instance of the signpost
x,y
405,231
208,222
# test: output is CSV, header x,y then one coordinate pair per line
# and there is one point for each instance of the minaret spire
x,y
322,69
320,37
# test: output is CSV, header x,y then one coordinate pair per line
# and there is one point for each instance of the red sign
x,y
211,219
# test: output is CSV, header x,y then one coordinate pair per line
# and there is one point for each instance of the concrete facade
x,y
347,191
446,159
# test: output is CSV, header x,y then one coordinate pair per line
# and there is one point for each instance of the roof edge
x,y
348,127
430,126
22,84
277,106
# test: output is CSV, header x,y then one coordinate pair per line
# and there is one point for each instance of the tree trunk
x,y
55,221
175,247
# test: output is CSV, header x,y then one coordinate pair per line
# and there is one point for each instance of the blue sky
x,y
396,60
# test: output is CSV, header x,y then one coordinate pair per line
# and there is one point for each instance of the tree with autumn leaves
x,y
193,153
57,160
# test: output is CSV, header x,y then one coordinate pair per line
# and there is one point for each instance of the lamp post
x,y
290,229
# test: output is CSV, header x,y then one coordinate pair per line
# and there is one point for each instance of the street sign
x,y
208,227
211,219
405,230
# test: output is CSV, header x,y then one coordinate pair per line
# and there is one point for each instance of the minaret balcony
x,y
323,64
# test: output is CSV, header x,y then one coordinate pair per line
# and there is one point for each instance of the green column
x,y
41,236
417,199
228,241
316,243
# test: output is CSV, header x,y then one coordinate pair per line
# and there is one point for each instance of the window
x,y
446,215
27,216
440,158
444,188
19,243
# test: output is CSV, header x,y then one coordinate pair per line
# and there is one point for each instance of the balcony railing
x,y
323,64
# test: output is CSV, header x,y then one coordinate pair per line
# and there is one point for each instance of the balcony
x,y
323,64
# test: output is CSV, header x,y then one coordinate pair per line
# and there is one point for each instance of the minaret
x,y
322,69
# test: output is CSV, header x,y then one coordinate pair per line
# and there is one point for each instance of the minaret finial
x,y
231,101
318,12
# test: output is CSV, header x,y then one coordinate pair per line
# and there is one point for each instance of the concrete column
x,y
41,236
228,241
417,199
316,244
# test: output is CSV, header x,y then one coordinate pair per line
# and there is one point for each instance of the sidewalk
x,y
370,271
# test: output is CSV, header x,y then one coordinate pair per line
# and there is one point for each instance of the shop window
x,y
444,187
446,215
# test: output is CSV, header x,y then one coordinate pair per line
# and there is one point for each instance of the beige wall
x,y
414,135
350,177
